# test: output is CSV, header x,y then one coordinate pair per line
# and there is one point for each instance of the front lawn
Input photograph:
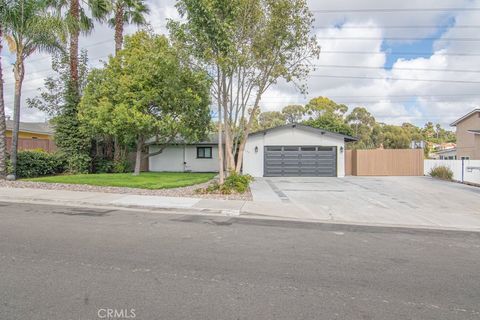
x,y
146,180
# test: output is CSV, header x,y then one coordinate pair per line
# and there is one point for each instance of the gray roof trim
x,y
308,128
474,131
446,151
454,123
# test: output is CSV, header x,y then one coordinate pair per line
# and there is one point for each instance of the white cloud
x,y
382,94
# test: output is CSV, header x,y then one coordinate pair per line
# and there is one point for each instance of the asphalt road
x,y
73,263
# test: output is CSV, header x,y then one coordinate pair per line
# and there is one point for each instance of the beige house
x,y
468,135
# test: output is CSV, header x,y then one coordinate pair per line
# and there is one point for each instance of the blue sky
x,y
388,100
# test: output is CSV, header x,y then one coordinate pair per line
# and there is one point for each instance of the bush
x,y
234,183
35,163
122,166
441,172
103,166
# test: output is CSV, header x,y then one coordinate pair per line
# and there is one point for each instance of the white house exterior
x,y
313,157
289,150
185,158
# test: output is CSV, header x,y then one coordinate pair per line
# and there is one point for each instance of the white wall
x,y
182,158
253,161
456,167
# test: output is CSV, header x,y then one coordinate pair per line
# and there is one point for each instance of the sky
x,y
409,61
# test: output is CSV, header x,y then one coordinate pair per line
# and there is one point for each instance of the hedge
x,y
36,163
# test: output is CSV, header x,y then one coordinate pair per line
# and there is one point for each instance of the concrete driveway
x,y
408,201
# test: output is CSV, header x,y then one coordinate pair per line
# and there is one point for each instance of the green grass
x,y
146,180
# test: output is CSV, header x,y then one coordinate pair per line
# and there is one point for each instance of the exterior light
x,y
341,149
256,149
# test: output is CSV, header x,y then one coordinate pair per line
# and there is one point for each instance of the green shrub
x,y
103,166
441,172
234,183
34,163
122,166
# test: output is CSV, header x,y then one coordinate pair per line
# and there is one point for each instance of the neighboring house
x,y
445,154
288,150
468,135
32,135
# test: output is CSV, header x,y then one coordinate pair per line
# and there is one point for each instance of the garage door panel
x,y
290,161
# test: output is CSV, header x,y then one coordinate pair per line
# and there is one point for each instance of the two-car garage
x,y
300,161
295,151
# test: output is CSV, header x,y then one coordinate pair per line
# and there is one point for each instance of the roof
x,y
212,138
474,131
310,129
446,151
454,123
32,127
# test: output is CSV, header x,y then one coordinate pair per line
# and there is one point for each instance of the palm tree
x,y
78,22
3,128
29,28
126,12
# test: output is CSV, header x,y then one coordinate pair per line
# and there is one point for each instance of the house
x,y
288,150
468,135
32,135
445,154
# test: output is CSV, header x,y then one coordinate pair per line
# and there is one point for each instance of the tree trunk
x,y
74,35
241,148
221,173
138,158
3,129
119,13
226,129
19,72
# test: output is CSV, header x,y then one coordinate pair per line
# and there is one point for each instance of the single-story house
x,y
446,154
32,135
288,150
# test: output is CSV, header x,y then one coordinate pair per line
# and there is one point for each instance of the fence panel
x,y
348,162
388,162
463,170
32,144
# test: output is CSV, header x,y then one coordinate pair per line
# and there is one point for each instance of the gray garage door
x,y
306,161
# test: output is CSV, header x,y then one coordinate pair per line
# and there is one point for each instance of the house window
x,y
204,152
465,158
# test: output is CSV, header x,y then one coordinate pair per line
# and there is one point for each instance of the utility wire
x,y
398,39
391,69
393,79
394,10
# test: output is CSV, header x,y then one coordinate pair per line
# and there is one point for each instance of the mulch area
x,y
189,191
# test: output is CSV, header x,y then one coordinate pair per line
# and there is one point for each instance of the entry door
x,y
300,161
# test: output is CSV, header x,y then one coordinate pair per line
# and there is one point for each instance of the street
x,y
73,263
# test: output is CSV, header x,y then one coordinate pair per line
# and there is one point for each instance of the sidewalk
x,y
265,207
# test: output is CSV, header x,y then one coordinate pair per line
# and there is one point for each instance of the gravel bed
x,y
175,192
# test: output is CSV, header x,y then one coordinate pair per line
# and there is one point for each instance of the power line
x,y
390,69
398,39
393,79
400,53
397,27
380,10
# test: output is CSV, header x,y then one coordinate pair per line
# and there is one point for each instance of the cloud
x,y
389,100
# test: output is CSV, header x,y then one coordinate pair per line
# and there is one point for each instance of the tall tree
x,y
3,128
248,45
270,119
77,21
126,12
293,113
29,28
146,92
320,106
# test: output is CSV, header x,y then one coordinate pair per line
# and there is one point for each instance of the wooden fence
x,y
384,162
32,144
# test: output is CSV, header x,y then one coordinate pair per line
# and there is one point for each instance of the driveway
x,y
418,201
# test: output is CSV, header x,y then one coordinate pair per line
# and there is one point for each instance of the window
x,y
275,149
204,152
308,149
465,158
